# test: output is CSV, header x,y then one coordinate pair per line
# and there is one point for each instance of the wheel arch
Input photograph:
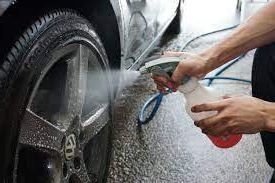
x,y
23,13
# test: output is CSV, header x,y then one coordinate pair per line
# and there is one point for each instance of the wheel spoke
x,y
83,56
75,86
38,132
94,124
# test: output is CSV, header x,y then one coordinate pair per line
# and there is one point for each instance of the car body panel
x,y
140,22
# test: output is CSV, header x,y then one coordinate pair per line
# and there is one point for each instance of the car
x,y
53,126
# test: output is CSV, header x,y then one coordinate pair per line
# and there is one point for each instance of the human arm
x,y
235,115
257,31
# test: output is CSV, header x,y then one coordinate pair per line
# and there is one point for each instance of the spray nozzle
x,y
163,66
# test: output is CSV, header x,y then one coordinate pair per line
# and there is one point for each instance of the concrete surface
x,y
170,148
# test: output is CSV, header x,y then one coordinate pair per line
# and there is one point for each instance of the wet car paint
x,y
142,23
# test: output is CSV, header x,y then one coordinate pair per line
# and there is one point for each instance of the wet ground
x,y
170,148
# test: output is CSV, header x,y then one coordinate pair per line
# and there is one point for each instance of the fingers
x,y
161,89
163,82
212,106
178,74
213,125
217,130
207,122
183,69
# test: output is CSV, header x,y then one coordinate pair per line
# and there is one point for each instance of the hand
x,y
235,115
191,65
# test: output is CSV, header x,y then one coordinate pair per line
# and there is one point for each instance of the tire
x,y
55,103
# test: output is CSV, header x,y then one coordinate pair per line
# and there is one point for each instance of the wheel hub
x,y
70,147
69,130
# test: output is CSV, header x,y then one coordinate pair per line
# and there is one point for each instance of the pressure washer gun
x,y
195,93
162,66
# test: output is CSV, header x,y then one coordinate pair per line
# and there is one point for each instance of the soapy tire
x,y
23,60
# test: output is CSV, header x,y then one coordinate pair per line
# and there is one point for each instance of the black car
x,y
53,127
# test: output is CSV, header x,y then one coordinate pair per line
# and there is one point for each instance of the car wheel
x,y
55,103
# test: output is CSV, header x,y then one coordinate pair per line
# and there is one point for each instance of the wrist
x,y
210,58
219,54
269,116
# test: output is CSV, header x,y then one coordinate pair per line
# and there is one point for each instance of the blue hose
x,y
227,78
141,119
224,68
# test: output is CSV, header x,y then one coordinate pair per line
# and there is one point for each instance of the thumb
x,y
178,74
182,68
